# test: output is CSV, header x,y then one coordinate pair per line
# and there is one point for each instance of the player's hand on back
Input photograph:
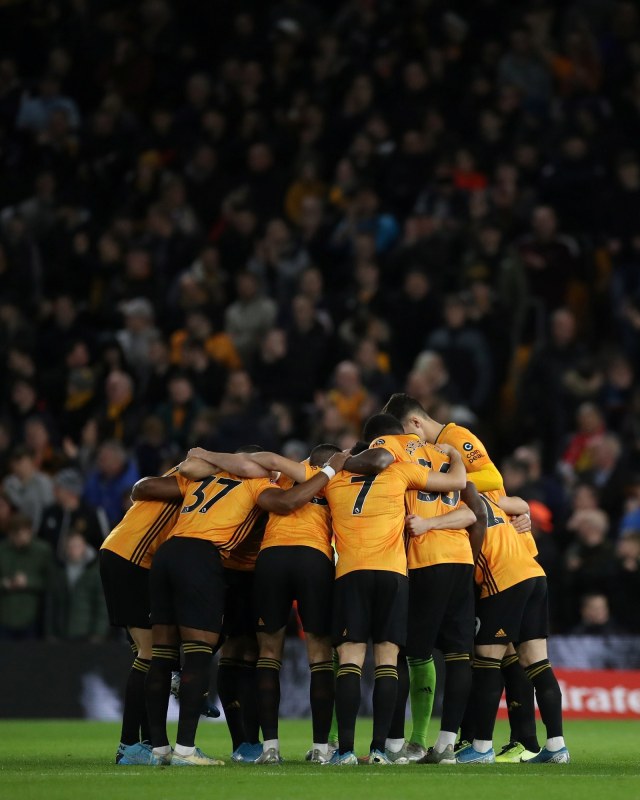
x,y
522,523
198,452
415,525
337,460
448,449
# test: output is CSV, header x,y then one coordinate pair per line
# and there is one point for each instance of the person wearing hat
x,y
69,514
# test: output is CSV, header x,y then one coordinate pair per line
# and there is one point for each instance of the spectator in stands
x,y
28,489
542,388
590,426
375,369
70,514
76,610
550,260
595,617
626,596
414,314
181,408
279,261
607,472
218,344
109,483
36,111
590,564
26,565
119,417
250,316
349,395
207,376
308,345
137,334
465,352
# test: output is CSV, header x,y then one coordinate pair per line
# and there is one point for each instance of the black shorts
x,y
441,610
126,591
370,604
238,605
285,574
187,585
518,614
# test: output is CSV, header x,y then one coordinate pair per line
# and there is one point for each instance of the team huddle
x,y
408,542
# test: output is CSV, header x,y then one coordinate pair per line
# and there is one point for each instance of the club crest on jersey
x,y
467,446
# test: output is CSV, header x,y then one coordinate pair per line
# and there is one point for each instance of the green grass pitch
x,y
65,760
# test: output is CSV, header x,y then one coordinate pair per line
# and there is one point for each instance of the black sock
x,y
396,729
385,692
457,688
229,670
268,680
548,695
194,688
134,716
485,695
249,701
157,688
347,704
520,703
321,695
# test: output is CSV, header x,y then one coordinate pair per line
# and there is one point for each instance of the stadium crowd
x,y
224,223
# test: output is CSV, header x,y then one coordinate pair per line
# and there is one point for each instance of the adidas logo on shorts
x,y
499,634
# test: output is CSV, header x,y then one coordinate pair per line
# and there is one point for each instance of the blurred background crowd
x,y
233,222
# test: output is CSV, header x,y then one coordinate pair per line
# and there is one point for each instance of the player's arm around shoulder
x,y
458,519
453,480
201,463
286,501
369,462
166,490
518,510
272,462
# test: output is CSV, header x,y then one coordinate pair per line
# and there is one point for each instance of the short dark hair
x,y
402,405
250,448
321,453
381,425
359,447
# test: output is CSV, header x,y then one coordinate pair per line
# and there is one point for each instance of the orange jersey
x,y
309,526
505,559
368,517
243,557
221,509
473,452
446,546
475,457
145,527
527,536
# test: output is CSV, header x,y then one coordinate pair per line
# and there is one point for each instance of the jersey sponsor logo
x,y
500,634
473,456
467,446
412,446
379,442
